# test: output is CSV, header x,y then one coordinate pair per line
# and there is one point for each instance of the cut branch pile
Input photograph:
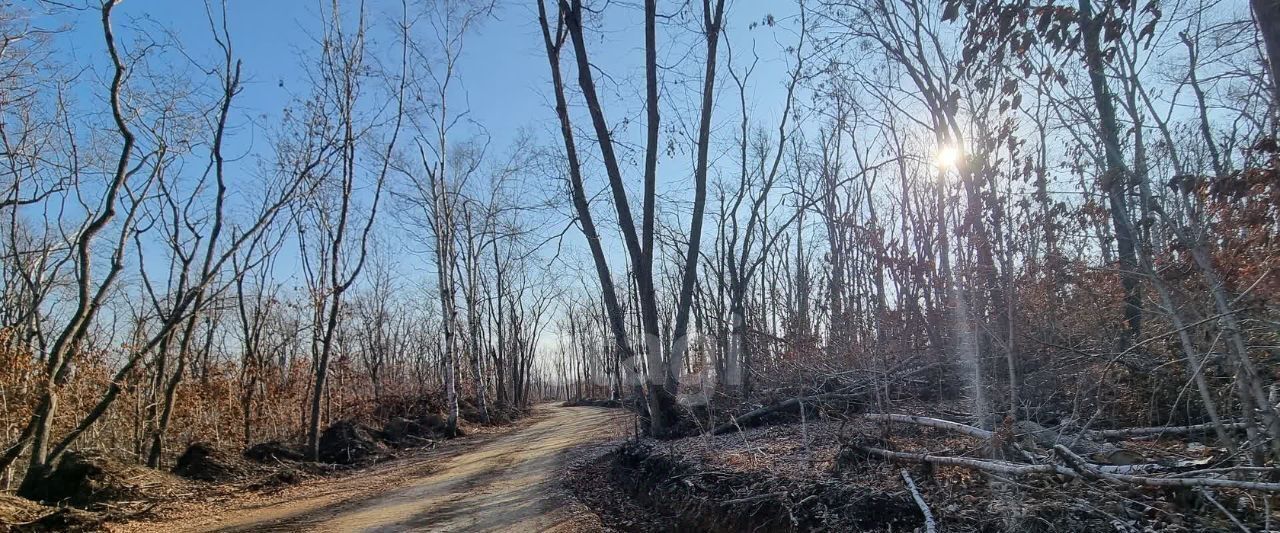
x,y
691,495
852,391
1045,451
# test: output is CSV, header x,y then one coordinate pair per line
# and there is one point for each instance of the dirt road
x,y
506,482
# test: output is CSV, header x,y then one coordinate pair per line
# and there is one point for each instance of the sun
x,y
947,157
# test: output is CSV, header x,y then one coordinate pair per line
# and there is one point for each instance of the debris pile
x,y
347,442
273,452
400,431
808,468
15,511
704,498
203,461
92,480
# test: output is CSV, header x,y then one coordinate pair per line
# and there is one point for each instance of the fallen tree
x,y
993,466
1077,468
1099,434
1064,447
1031,435
1091,471
930,422
930,525
750,417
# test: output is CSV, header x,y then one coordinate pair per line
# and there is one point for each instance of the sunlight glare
x,y
947,157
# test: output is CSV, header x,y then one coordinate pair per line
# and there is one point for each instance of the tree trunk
x,y
1115,178
1267,13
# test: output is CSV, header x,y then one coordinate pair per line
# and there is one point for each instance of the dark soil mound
x,y
401,431
205,462
473,415
435,423
89,480
500,417
505,415
347,442
273,452
438,425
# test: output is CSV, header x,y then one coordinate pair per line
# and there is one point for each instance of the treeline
x,y
1062,212
169,276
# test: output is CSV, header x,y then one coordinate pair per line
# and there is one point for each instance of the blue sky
x,y
503,74
503,77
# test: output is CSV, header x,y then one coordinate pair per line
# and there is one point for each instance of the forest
x,y
882,265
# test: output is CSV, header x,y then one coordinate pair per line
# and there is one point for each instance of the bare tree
x,y
90,290
335,249
662,363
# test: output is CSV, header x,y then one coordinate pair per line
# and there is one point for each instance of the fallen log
x,y
1159,430
975,432
1145,468
993,466
930,422
929,525
1260,470
1098,451
1078,468
1039,435
1092,471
